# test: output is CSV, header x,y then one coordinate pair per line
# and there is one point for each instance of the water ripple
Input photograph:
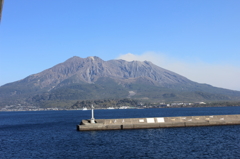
x,y
53,135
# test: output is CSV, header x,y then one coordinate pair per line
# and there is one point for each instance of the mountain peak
x,y
94,58
91,57
73,59
81,78
76,59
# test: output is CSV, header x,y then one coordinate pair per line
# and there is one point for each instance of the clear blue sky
x,y
38,34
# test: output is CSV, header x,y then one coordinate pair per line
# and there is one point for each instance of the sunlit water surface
x,y
52,134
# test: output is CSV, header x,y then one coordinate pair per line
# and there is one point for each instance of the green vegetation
x,y
222,104
105,103
146,104
79,79
106,89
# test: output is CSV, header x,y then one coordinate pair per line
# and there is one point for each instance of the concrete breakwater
x,y
158,122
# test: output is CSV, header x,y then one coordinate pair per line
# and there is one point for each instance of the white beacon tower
x,y
92,119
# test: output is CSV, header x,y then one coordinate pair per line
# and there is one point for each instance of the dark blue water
x,y
52,134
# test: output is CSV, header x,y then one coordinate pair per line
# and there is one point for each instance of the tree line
x,y
105,103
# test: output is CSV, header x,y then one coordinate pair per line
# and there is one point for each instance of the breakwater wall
x,y
158,122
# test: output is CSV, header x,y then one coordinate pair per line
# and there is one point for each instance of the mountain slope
x,y
92,78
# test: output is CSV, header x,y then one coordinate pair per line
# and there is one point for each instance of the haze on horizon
x,y
218,75
196,39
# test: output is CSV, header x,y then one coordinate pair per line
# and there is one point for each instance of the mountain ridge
x,y
93,78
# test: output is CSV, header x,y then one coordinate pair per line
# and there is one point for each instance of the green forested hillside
x,y
94,79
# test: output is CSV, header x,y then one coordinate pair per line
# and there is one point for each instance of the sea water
x,y
52,134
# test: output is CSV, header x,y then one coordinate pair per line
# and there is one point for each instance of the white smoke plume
x,y
218,75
